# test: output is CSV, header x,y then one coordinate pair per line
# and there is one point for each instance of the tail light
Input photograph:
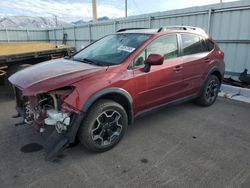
x,y
221,54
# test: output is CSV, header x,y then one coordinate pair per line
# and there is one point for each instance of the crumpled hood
x,y
51,75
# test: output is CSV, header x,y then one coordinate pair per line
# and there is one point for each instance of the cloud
x,y
200,3
72,10
62,9
178,4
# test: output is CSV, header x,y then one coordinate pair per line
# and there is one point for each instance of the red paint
x,y
174,79
155,59
51,75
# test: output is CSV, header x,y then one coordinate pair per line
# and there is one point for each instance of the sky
x,y
73,10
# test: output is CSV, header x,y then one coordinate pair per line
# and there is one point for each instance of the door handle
x,y
207,60
178,68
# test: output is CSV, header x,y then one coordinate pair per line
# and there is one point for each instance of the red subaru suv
x,y
94,94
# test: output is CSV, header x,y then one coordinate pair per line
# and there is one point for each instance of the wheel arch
x,y
215,71
218,75
118,95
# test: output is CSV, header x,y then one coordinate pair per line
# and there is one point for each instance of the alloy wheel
x,y
107,128
211,91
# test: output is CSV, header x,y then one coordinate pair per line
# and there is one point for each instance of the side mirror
x,y
153,59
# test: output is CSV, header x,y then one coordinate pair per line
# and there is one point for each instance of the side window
x,y
210,45
193,44
165,45
139,60
207,44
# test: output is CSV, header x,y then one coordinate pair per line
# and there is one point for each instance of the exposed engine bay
x,y
43,110
46,109
49,109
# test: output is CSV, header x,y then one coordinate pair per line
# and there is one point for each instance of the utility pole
x,y
220,1
94,10
126,8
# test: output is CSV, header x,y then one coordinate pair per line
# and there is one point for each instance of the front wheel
x,y
209,92
104,126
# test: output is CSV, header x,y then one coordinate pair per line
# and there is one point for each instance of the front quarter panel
x,y
115,77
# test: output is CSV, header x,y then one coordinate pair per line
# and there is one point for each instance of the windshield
x,y
112,49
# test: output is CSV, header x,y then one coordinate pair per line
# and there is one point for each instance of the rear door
x,y
162,83
196,59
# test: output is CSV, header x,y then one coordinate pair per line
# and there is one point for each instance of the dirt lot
x,y
180,146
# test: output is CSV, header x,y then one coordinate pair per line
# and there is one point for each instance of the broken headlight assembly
x,y
49,109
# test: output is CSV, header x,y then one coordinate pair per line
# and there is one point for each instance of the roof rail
x,y
126,29
182,27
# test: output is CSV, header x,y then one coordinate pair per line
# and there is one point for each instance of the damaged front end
x,y
49,109
41,94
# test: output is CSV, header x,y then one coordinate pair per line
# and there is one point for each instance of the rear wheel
x,y
104,126
209,92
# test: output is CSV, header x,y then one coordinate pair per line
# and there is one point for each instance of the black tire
x,y
209,91
99,132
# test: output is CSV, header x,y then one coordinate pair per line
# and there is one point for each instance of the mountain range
x,y
29,22
81,22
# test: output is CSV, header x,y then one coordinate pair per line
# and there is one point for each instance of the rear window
x,y
193,44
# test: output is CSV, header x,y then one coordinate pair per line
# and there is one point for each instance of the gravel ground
x,y
179,146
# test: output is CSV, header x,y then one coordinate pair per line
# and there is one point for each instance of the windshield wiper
x,y
84,60
90,61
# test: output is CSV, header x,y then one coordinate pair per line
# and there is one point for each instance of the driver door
x,y
163,83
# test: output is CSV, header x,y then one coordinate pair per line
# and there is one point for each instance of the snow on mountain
x,y
82,22
30,22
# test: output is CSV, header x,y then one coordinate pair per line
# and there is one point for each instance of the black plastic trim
x,y
111,90
213,69
103,92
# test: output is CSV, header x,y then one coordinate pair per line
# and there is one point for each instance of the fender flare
x,y
111,90
213,69
106,91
